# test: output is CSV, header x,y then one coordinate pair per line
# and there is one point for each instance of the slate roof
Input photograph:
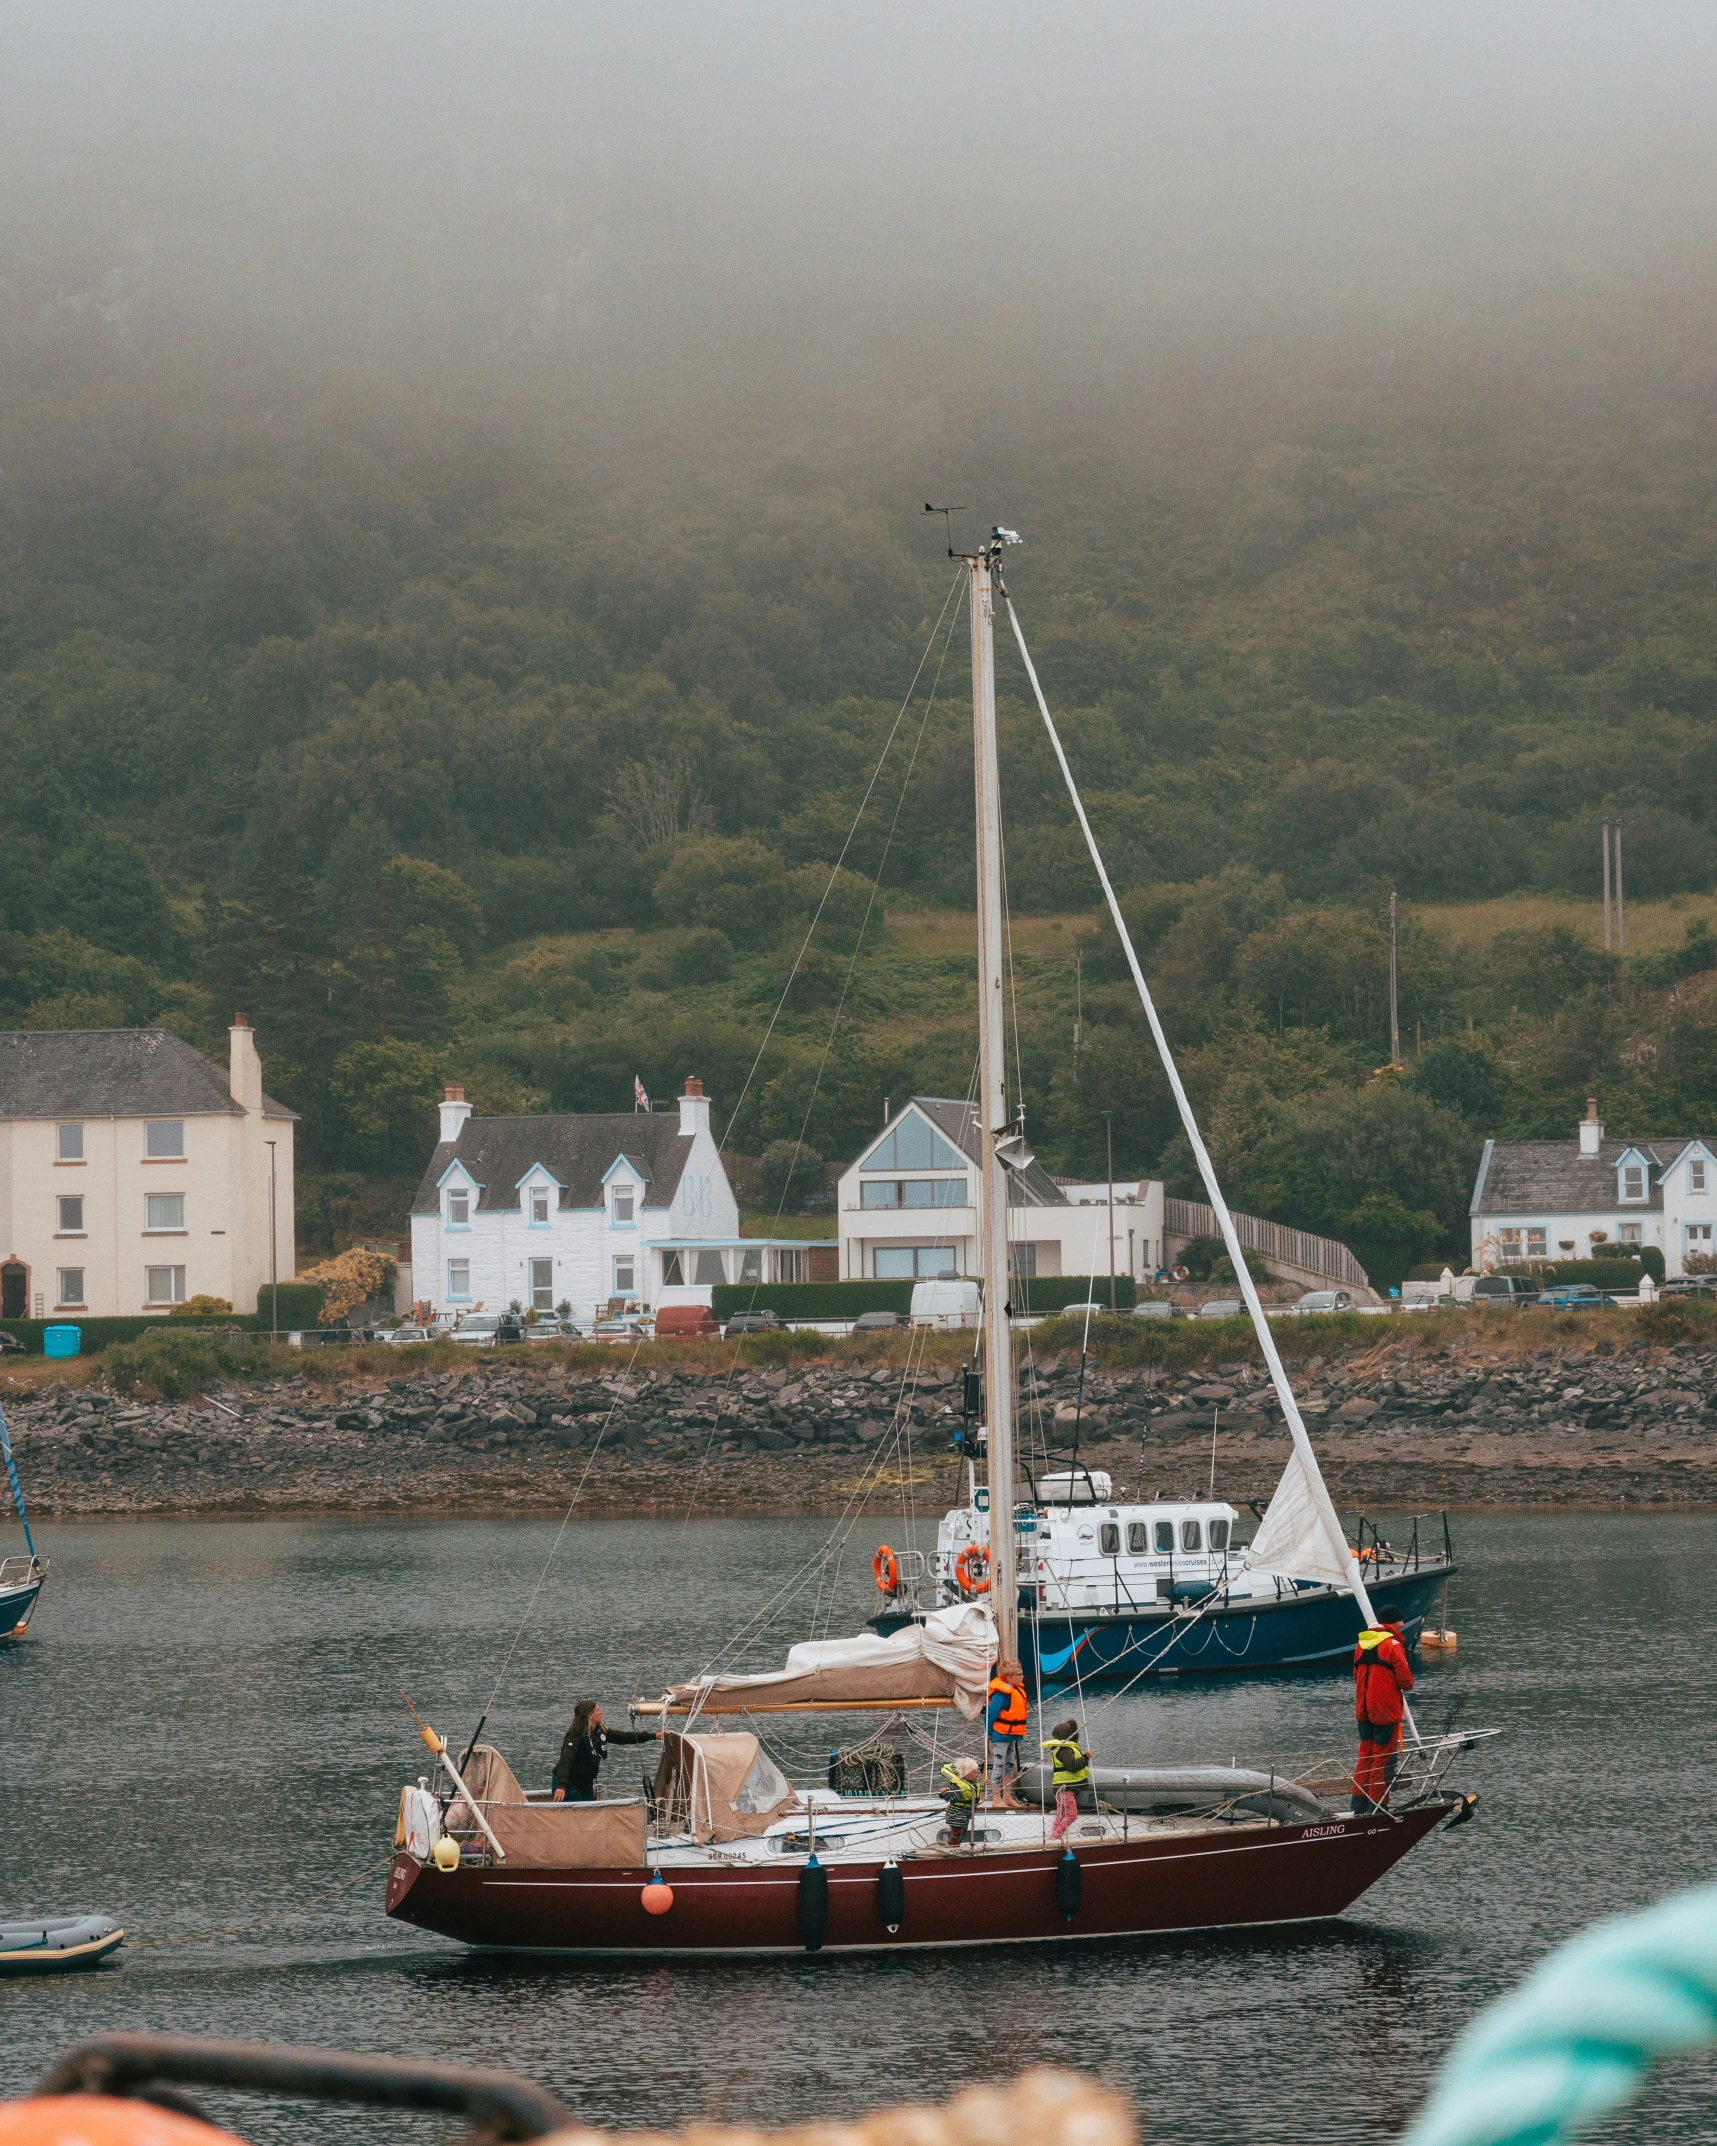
x,y
957,1121
1552,1177
578,1151
113,1073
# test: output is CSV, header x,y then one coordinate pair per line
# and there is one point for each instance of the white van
x,y
946,1305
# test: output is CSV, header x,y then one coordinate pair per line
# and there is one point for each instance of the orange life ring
x,y
971,1563
886,1567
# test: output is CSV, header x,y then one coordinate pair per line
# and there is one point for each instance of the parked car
x,y
399,1337
1323,1300
1495,1292
1086,1308
553,1328
876,1322
1689,1285
1155,1308
687,1322
1220,1308
477,1330
751,1322
1576,1296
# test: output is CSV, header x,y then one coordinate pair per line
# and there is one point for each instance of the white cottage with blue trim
x,y
1591,1197
591,1210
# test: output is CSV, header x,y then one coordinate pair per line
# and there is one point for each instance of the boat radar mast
x,y
1002,1140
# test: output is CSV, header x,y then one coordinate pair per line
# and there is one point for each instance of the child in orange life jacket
x,y
1005,1718
1380,1676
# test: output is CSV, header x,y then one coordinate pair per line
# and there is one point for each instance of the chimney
x,y
244,1075
1591,1128
694,1108
454,1111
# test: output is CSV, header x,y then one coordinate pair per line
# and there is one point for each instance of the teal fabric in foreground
x,y
1575,2041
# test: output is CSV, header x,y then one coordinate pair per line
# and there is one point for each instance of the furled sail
x,y
945,1661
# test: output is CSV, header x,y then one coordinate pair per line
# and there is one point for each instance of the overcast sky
x,y
659,180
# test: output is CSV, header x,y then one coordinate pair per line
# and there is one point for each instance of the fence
x,y
1270,1240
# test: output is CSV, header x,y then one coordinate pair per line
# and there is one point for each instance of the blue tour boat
x,y
21,1578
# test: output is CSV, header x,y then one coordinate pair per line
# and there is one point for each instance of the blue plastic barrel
x,y
61,1340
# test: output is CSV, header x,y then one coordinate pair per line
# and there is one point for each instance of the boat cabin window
x,y
1138,1538
1191,1535
1109,1539
1165,1538
1218,1532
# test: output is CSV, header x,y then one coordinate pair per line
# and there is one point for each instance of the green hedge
x,y
300,1304
99,1334
811,1300
1601,1273
1049,1293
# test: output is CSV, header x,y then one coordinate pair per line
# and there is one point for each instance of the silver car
x,y
1322,1300
478,1329
1220,1308
399,1337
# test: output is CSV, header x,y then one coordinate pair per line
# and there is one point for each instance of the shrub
x,y
1674,1319
300,1305
1200,1255
199,1307
175,1367
350,1279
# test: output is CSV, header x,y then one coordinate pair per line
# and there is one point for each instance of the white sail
x,y
1293,1539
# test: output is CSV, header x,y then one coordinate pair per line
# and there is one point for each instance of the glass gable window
x,y
166,1210
71,1216
70,1150
914,1144
164,1140
71,1285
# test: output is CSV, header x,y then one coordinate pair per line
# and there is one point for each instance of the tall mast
x,y
993,1126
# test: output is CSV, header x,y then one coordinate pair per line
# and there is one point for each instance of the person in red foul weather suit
x,y
1380,1676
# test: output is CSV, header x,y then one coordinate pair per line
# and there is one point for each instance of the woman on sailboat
x,y
584,1747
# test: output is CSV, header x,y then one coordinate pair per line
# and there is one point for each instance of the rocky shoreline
x,y
1473,1426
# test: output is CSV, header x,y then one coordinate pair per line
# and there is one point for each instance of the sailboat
x,y
723,1854
21,1578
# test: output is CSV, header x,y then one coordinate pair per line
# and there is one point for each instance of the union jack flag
x,y
640,1101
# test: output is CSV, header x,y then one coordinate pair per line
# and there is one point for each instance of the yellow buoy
x,y
445,1853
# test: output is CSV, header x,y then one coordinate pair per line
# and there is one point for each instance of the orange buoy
x,y
101,2120
972,1571
1439,1640
885,1566
658,1895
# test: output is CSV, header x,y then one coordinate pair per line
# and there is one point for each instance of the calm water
x,y
205,1728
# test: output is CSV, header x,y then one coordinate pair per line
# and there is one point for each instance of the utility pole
x,y
273,1255
1394,1004
1604,836
1109,1146
1621,907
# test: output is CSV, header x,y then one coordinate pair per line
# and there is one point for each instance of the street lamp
x,y
273,1254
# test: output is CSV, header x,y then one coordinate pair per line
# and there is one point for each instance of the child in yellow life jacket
x,y
961,1796
1072,1773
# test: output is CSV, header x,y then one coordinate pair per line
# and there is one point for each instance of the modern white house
x,y
1590,1197
596,1210
135,1174
908,1210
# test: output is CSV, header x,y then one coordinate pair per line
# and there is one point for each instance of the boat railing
x,y
18,1571
1373,1549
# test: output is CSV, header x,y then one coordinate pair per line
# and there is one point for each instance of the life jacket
x,y
1011,1720
1368,1661
1072,1766
965,1791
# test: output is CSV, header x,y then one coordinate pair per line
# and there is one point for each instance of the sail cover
x,y
1298,1538
945,1658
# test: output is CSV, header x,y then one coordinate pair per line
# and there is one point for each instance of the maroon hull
x,y
1195,1881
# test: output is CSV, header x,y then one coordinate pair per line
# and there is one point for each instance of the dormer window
x,y
458,1209
539,1206
1633,1181
623,1203
1696,1175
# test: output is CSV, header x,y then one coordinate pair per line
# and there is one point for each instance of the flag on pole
x,y
640,1101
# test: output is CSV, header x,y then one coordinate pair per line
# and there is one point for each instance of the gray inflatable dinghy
x,y
1166,1789
57,1945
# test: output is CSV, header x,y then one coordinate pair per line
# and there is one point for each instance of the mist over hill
x,y
461,494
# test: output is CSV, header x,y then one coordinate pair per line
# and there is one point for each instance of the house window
x,y
71,1150
914,1192
881,1194
1699,1236
164,1285
1628,1232
1022,1260
1191,1535
1537,1246
1165,1538
625,1273
623,1204
71,1215
164,1140
792,1266
71,1286
459,1281
914,1262
542,1285
750,1266
673,1275
1695,1175
166,1210
539,1206
1633,1181
913,1145
1508,1243
458,1209
709,1269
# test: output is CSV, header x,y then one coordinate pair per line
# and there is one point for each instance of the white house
x,y
134,1173
908,1208
1588,1197
598,1209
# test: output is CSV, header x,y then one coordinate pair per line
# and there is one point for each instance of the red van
x,y
686,1322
